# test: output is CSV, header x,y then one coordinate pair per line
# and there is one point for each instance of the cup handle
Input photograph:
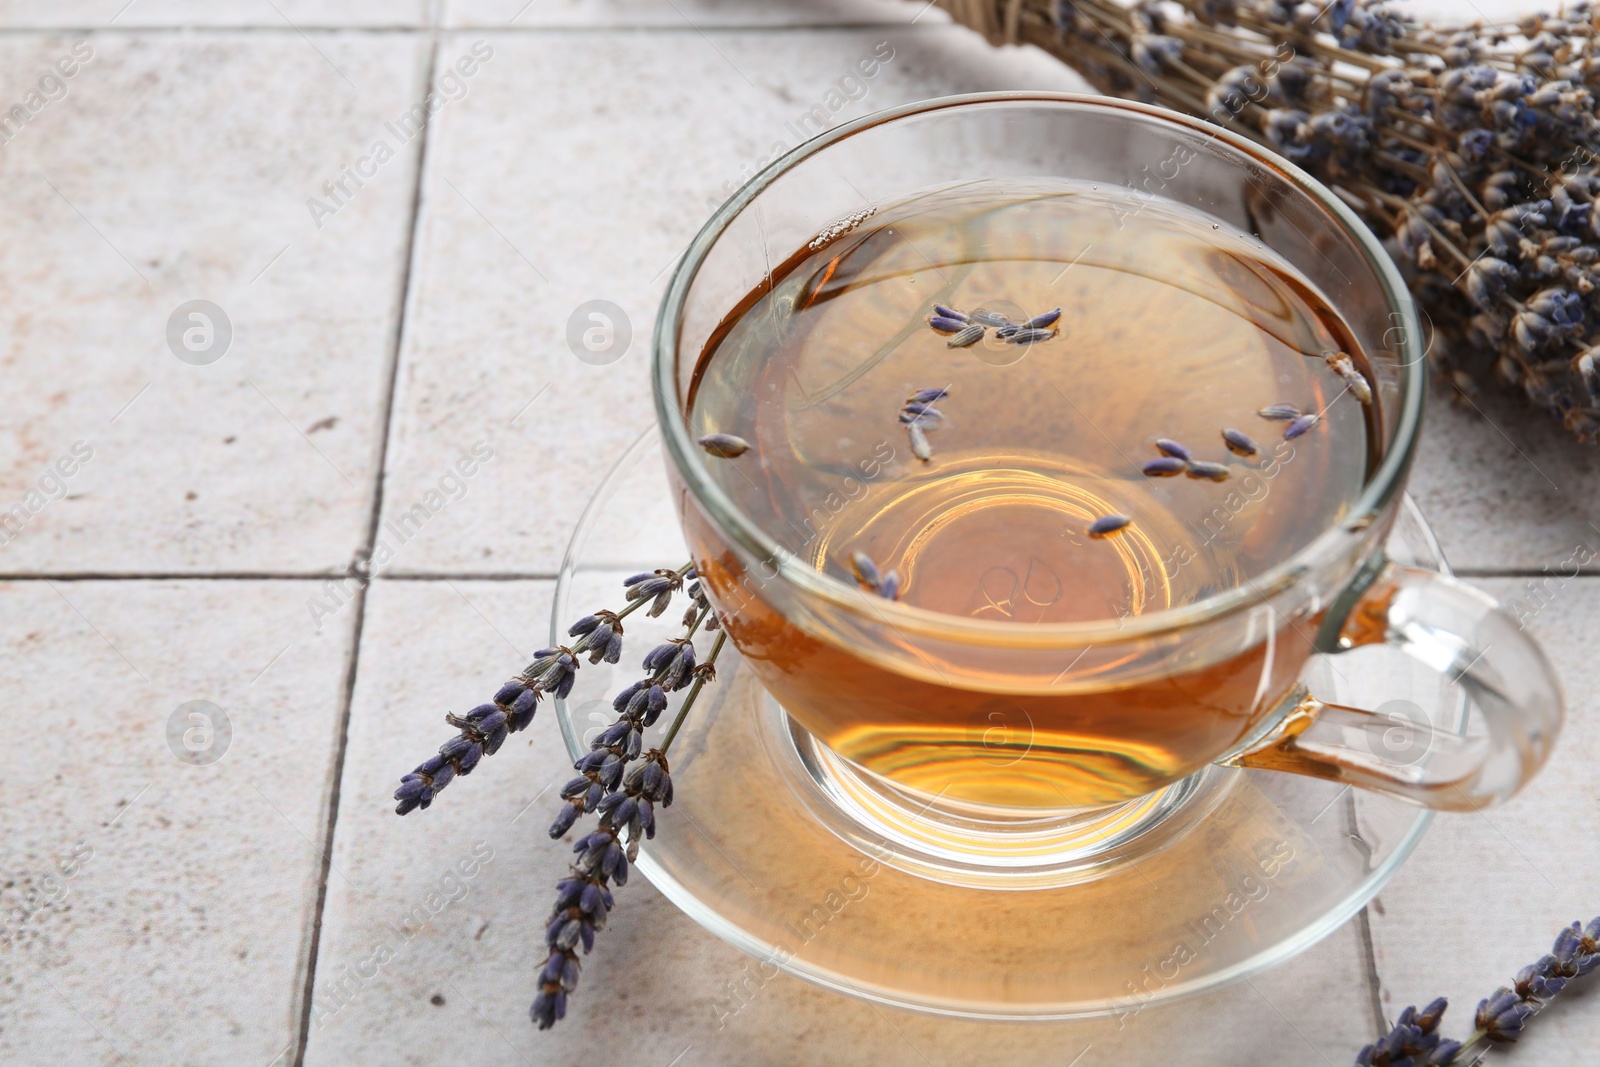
x,y
1467,637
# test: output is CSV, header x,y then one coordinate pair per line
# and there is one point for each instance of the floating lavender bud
x,y
1006,333
1280,412
1165,467
919,443
864,569
1106,525
940,311
1345,368
944,325
1168,447
989,318
889,588
1215,472
927,396
1044,319
966,337
1299,426
1030,336
725,445
1239,442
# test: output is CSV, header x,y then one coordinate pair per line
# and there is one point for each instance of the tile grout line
x,y
362,563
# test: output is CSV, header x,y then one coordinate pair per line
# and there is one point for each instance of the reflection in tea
x,y
1193,382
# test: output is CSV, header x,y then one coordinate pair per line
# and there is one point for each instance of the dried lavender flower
x,y
865,571
1239,442
1029,335
1471,149
1165,467
940,311
483,730
989,318
966,337
1169,447
1215,472
1299,426
1280,412
1044,319
927,396
1345,368
944,325
1106,525
1414,1040
725,445
919,442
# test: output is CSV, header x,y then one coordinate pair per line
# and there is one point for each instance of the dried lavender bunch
x,y
553,670
1474,151
625,798
1415,1042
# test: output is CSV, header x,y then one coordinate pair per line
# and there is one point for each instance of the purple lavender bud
x,y
1044,320
1443,1053
614,733
1106,525
552,968
584,625
469,759
412,787
1299,426
966,338
664,794
620,701
636,706
481,712
576,787
650,778
647,817
600,636
920,412
864,569
593,900
1216,472
648,588
658,657
564,819
553,928
637,578
632,744
940,311
610,771
1168,447
947,325
1239,442
1429,1017
1280,412
509,692
522,709
545,653
568,890
889,588
564,686
625,811
431,766
663,599
567,938
548,1007
592,795
994,319
928,396
612,860
569,973
1540,980
1501,1016
619,876
614,648
591,760
446,775
596,840
724,445
1028,335
492,721
453,748
1165,467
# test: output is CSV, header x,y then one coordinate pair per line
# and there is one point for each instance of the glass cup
x,y
1132,686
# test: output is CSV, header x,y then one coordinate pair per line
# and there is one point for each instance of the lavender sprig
x,y
553,670
1414,1040
624,797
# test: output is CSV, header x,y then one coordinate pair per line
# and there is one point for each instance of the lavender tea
x,y
1031,404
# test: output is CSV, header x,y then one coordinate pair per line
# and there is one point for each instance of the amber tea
x,y
1033,403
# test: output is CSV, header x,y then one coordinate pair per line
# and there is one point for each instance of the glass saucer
x,y
764,849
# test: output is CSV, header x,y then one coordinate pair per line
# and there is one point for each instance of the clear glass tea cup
x,y
828,651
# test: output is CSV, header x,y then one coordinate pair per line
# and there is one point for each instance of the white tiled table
x,y
211,911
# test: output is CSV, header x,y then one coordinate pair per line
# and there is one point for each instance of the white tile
x,y
592,195
179,167
181,934
677,14
1485,894
655,981
278,14
1504,486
